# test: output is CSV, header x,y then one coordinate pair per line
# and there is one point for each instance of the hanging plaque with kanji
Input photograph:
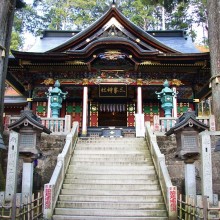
x,y
109,90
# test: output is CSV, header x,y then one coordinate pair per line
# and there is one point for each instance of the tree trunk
x,y
7,8
214,45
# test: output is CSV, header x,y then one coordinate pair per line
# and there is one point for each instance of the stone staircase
x,y
111,178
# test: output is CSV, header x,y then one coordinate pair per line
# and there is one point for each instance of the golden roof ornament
x,y
176,82
85,81
48,81
139,82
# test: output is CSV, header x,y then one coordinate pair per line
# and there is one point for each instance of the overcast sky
x,y
29,1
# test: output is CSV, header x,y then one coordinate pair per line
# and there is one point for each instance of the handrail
x,y
168,190
52,189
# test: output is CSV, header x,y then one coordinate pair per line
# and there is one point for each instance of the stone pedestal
x,y
27,179
206,160
12,166
190,179
139,125
108,132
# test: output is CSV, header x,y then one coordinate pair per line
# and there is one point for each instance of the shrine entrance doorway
x,y
112,115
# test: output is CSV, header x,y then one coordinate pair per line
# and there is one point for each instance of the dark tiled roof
x,y
15,100
184,120
47,43
182,44
173,39
27,116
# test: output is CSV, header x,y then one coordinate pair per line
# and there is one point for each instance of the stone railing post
x,y
212,126
67,123
169,191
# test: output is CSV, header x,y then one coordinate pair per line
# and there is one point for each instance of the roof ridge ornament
x,y
114,4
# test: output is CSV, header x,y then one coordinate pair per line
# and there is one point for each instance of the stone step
x,y
111,171
102,176
110,212
110,193
112,143
111,140
111,205
114,163
105,167
120,157
96,198
68,217
110,147
111,181
89,152
111,178
111,186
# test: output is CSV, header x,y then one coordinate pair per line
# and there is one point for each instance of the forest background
x,y
39,15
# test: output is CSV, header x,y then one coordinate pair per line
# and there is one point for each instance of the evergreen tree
x,y
7,8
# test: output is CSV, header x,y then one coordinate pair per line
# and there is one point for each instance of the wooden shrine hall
x,y
111,71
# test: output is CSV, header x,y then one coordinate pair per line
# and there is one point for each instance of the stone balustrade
x,y
52,189
163,124
169,191
56,125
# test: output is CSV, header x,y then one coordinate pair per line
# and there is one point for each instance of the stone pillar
x,y
48,103
174,103
190,179
12,166
206,160
85,109
139,117
27,178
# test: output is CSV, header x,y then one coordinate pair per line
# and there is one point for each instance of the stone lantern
x,y
56,98
25,140
29,128
187,131
166,98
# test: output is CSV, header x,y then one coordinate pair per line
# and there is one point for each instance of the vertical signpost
x,y
11,179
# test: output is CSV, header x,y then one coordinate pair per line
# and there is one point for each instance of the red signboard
x,y
48,195
173,199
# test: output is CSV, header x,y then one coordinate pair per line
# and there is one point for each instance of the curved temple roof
x,y
112,43
113,25
175,39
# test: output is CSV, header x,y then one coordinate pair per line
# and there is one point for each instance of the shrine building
x,y
111,71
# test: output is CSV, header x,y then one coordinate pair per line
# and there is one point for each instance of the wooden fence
x,y
16,210
190,209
